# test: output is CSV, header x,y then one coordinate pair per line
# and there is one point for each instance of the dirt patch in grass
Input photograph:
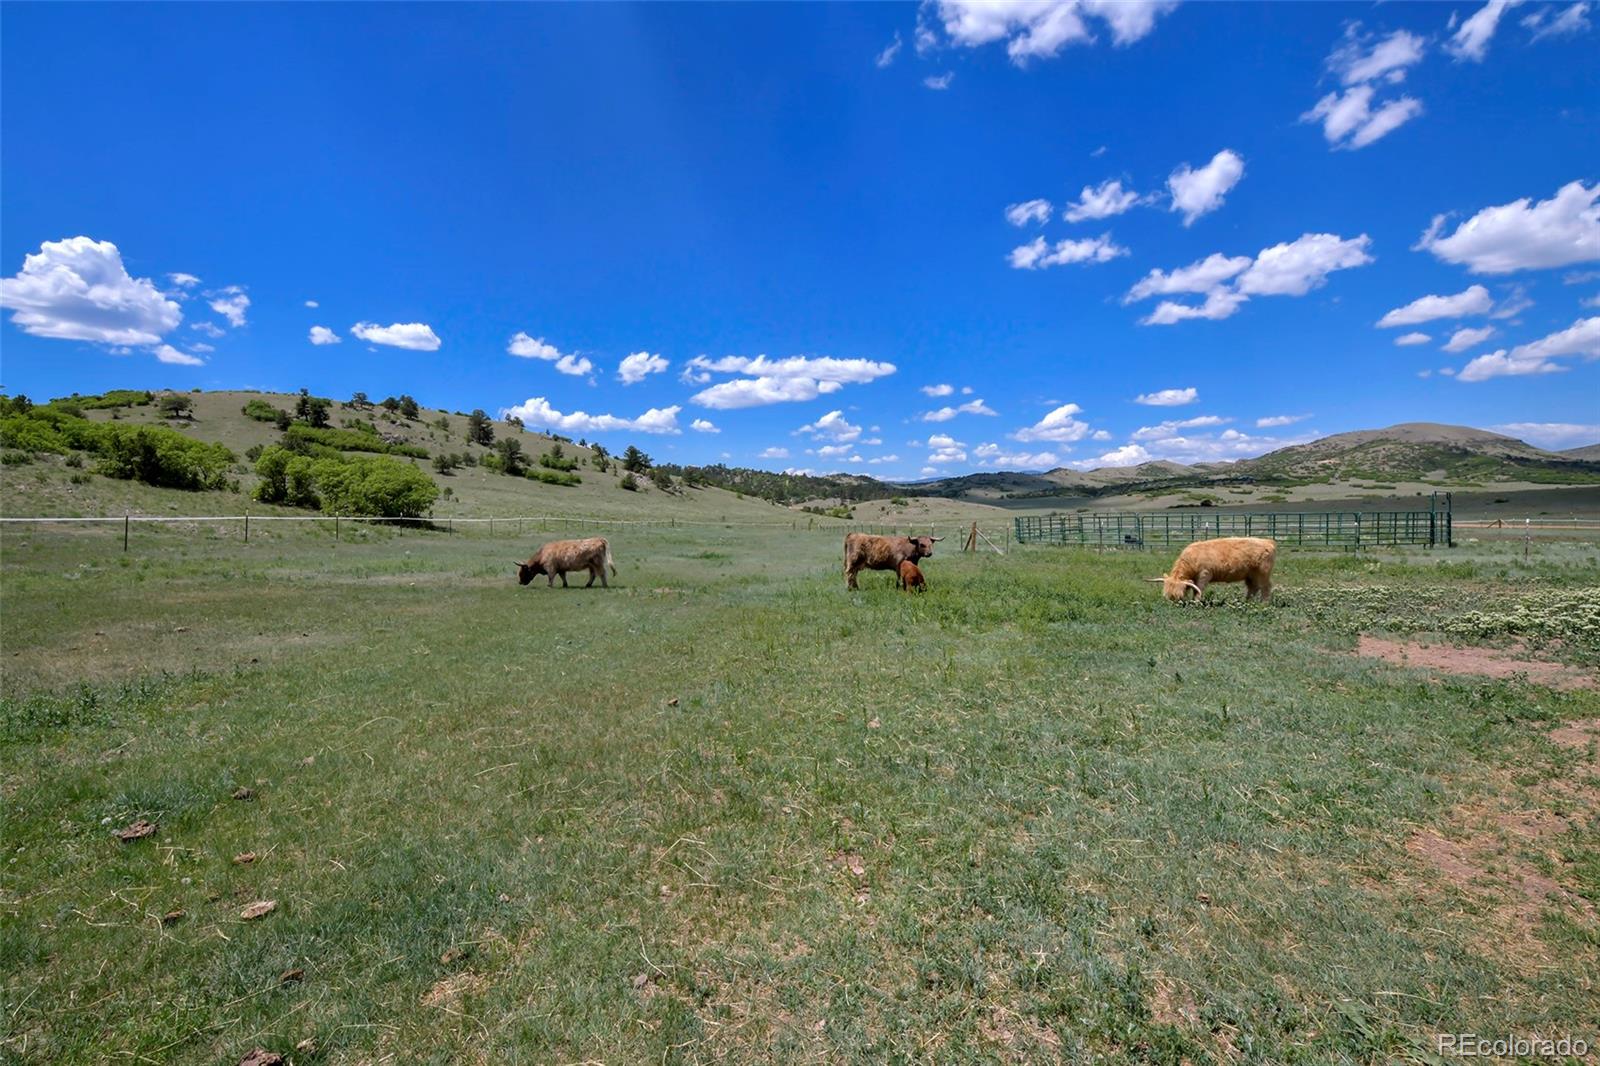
x,y
1582,735
1485,662
448,990
1490,853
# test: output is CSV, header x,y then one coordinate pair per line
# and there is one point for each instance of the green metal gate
x,y
1310,529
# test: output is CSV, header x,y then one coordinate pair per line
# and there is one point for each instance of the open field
x,y
726,809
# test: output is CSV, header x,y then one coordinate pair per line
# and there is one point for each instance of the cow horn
x,y
1157,580
1198,590
931,537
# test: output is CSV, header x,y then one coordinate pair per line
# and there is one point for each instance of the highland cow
x,y
1247,559
561,556
864,551
911,578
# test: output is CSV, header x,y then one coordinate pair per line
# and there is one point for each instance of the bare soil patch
x,y
1483,662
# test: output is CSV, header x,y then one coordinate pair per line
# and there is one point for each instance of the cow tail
x,y
609,563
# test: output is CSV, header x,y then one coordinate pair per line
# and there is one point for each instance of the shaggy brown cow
x,y
864,551
559,556
1247,559
911,577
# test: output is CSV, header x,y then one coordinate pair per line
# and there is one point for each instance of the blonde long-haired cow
x,y
1247,559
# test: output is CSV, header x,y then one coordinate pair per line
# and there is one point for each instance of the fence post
x,y
336,529
247,525
125,522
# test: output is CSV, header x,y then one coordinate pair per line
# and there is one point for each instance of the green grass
x,y
726,808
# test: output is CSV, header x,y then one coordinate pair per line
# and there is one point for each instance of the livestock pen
x,y
1308,529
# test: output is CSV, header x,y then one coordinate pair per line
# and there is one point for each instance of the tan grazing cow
x,y
866,551
911,578
560,556
1247,559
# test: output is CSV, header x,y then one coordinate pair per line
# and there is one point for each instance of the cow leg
x,y
564,580
602,572
1250,589
590,582
1264,590
1203,581
850,577
552,580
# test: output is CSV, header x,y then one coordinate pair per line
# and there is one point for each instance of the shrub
x,y
552,460
260,410
106,400
629,482
634,460
408,408
661,480
299,436
553,477
31,434
479,429
159,456
15,458
372,486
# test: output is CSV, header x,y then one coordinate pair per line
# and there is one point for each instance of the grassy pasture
x,y
726,809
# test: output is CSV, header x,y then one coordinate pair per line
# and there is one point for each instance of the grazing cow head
x,y
1176,588
922,547
526,572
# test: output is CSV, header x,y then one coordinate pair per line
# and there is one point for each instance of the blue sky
x,y
799,224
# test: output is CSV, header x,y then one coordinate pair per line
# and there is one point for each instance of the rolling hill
x,y
1413,456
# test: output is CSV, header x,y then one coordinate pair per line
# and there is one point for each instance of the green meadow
x,y
727,810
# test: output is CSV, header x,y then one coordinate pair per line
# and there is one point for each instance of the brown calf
x,y
865,551
911,577
560,556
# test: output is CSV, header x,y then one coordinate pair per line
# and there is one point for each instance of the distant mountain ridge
x,y
1409,451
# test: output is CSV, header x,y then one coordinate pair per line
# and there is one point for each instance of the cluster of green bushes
x,y
445,462
553,477
299,436
107,400
262,411
154,455
374,486
552,461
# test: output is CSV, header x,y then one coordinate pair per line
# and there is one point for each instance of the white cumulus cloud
x,y
638,366
766,381
833,426
1038,253
892,49
231,303
526,347
77,289
324,335
1058,426
1573,20
1105,200
1039,29
1172,428
1523,235
416,336
166,353
1410,340
1471,301
1555,436
774,453
1472,37
1350,121
1275,421
1202,276
1362,58
1462,339
997,456
1582,338
537,413
1168,397
1293,268
937,390
1028,211
182,280
945,414
939,82
1199,192
702,425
